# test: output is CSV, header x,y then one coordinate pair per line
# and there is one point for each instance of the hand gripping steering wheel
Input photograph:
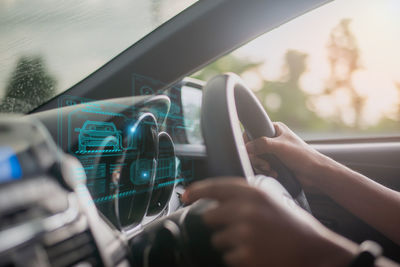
x,y
227,102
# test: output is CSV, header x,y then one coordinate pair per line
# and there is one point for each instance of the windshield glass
x,y
48,46
331,73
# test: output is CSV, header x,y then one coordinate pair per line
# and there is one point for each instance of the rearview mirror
x,y
191,95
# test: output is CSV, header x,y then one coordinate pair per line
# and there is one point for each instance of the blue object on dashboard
x,y
9,165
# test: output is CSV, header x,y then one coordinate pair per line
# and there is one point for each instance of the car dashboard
x,y
126,155
117,174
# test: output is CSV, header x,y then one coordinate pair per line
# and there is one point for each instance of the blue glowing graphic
x,y
146,90
165,168
9,165
98,132
70,102
93,133
141,171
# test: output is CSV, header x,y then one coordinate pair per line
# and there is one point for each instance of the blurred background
x,y
331,73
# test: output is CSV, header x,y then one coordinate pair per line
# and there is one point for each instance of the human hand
x,y
260,165
253,228
297,155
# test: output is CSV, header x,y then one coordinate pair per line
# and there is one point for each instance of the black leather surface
x,y
227,102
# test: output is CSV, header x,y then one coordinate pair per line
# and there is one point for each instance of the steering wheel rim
x,y
227,102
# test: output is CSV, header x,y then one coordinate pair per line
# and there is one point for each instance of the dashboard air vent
x,y
79,250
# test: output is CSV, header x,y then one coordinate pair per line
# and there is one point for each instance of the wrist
x,y
315,169
324,172
335,251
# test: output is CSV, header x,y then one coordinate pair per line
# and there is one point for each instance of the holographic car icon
x,y
96,136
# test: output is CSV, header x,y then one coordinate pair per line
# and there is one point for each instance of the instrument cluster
x,y
126,154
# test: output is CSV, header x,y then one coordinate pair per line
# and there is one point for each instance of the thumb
x,y
262,145
245,137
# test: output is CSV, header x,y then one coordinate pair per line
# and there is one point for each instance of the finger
x,y
237,257
280,127
221,215
225,239
215,184
262,145
273,174
235,211
257,171
265,144
259,163
245,137
220,189
232,236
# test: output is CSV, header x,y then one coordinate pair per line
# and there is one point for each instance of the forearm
x,y
375,204
384,262
338,251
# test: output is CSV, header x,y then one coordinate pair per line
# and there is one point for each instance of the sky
x,y
375,24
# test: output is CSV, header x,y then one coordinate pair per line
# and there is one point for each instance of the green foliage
x,y
29,86
227,63
292,108
344,57
292,100
286,101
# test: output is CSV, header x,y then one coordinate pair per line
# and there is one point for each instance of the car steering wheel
x,y
227,102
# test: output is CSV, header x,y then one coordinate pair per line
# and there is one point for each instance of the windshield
x,y
331,73
48,46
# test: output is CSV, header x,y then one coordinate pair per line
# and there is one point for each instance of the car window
x,y
48,46
191,109
331,73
